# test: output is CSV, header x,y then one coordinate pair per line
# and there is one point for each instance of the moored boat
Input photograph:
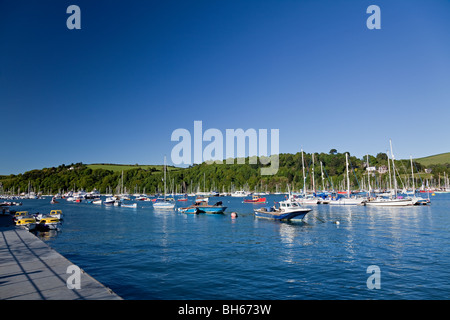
x,y
27,223
255,199
347,201
48,223
165,203
109,200
389,202
56,214
240,193
204,207
129,205
287,210
191,210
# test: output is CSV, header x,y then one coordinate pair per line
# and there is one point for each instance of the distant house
x,y
382,169
428,170
371,169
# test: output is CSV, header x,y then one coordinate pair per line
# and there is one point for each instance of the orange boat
x,y
255,199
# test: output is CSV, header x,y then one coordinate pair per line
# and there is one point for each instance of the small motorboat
x,y
161,203
255,199
48,223
56,214
204,207
129,205
18,214
27,223
98,201
240,193
110,200
191,210
287,210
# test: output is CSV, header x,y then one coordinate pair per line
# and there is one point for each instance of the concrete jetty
x,y
31,270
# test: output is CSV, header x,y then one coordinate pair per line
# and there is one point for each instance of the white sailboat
x,y
393,200
164,203
349,201
416,200
307,198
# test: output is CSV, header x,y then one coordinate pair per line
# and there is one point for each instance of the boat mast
x,y
393,169
164,178
323,183
304,177
412,172
313,182
348,178
122,185
368,177
389,167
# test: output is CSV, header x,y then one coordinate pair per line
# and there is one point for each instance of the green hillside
x,y
125,167
442,158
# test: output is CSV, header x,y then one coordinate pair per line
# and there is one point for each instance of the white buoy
x,y
337,222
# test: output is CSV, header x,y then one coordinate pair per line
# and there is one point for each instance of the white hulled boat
x,y
394,200
164,203
240,193
349,201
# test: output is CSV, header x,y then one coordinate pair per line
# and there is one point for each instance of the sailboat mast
x,y
304,177
122,184
389,168
368,176
313,182
412,172
323,182
164,178
393,169
348,177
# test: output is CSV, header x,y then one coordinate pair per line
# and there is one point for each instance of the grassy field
x,y
124,167
436,159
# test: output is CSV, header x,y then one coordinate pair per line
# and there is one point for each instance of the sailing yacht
x,y
164,203
349,200
393,200
308,198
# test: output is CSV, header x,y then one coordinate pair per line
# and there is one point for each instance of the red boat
x,y
255,199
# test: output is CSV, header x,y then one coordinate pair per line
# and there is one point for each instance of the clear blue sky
x,y
137,70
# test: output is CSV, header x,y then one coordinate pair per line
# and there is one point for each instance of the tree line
x,y
328,171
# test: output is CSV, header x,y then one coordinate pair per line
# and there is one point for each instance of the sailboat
x,y
416,200
393,200
164,203
310,198
347,201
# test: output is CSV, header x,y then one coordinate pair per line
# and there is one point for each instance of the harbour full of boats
x,y
38,221
292,207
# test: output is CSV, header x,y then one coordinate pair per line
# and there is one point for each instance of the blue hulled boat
x,y
204,207
191,210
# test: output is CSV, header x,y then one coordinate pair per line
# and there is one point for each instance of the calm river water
x,y
144,254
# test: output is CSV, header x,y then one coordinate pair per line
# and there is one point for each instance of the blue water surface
x,y
146,254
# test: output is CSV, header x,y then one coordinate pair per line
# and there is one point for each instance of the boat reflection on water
x,y
47,235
